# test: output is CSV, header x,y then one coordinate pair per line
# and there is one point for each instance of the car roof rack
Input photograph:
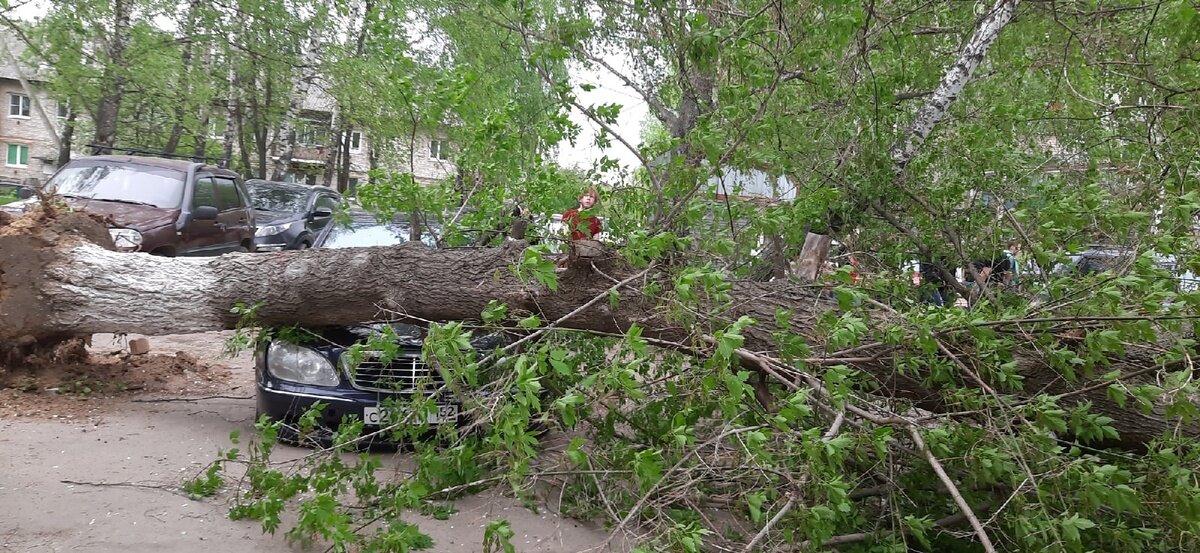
x,y
101,149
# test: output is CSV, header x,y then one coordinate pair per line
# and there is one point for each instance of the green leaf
x,y
755,502
575,452
530,322
495,312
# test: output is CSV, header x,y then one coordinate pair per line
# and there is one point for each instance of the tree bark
x,y
343,180
954,80
333,150
185,77
65,139
243,151
232,121
813,255
56,283
286,137
113,79
259,120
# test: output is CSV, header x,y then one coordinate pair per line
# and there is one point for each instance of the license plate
x,y
378,416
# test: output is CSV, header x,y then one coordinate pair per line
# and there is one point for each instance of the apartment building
x,y
427,156
29,121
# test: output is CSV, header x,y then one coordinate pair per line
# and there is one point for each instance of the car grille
x,y
404,374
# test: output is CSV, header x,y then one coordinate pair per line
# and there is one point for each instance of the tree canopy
x,y
700,408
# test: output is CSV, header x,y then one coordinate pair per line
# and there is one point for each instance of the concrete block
x,y
139,346
587,248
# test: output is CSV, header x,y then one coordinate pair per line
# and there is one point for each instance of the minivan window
x,y
327,202
227,193
121,182
203,194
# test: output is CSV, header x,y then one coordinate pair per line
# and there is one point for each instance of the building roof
x,y
14,64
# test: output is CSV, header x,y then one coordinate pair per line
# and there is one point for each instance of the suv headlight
x,y
270,230
126,239
300,364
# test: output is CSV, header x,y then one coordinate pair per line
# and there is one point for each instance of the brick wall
x,y
425,167
30,132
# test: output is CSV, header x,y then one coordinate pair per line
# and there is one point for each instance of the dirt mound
x,y
71,383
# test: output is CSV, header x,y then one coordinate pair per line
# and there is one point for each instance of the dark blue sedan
x,y
347,371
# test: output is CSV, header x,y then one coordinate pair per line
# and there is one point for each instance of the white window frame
x,y
355,142
63,111
23,103
439,150
7,147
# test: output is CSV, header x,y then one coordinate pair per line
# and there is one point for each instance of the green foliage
x,y
535,265
207,484
497,536
1078,129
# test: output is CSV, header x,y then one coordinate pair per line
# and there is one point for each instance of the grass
x,y
7,198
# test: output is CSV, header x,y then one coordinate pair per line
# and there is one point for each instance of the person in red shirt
x,y
583,226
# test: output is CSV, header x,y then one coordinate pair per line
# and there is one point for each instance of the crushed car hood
x,y
407,335
266,217
135,216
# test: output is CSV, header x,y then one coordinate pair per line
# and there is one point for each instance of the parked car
x,y
1098,258
291,377
163,206
290,216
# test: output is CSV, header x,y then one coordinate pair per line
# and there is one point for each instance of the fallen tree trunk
x,y
57,282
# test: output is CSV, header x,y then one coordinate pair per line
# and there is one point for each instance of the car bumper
x,y
273,243
287,402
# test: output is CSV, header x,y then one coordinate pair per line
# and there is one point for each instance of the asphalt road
x,y
108,480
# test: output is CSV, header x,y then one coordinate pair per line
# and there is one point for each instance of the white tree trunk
x,y
231,119
304,75
953,81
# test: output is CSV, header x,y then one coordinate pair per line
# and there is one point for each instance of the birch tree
x,y
303,76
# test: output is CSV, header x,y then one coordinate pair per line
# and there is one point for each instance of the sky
x,y
609,89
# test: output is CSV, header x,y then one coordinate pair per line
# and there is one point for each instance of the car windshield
x,y
121,182
275,197
364,235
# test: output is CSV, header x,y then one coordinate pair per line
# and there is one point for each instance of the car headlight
x,y
270,230
300,364
126,239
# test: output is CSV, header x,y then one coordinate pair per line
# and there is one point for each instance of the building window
x,y
439,149
64,110
18,105
355,141
310,132
18,156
